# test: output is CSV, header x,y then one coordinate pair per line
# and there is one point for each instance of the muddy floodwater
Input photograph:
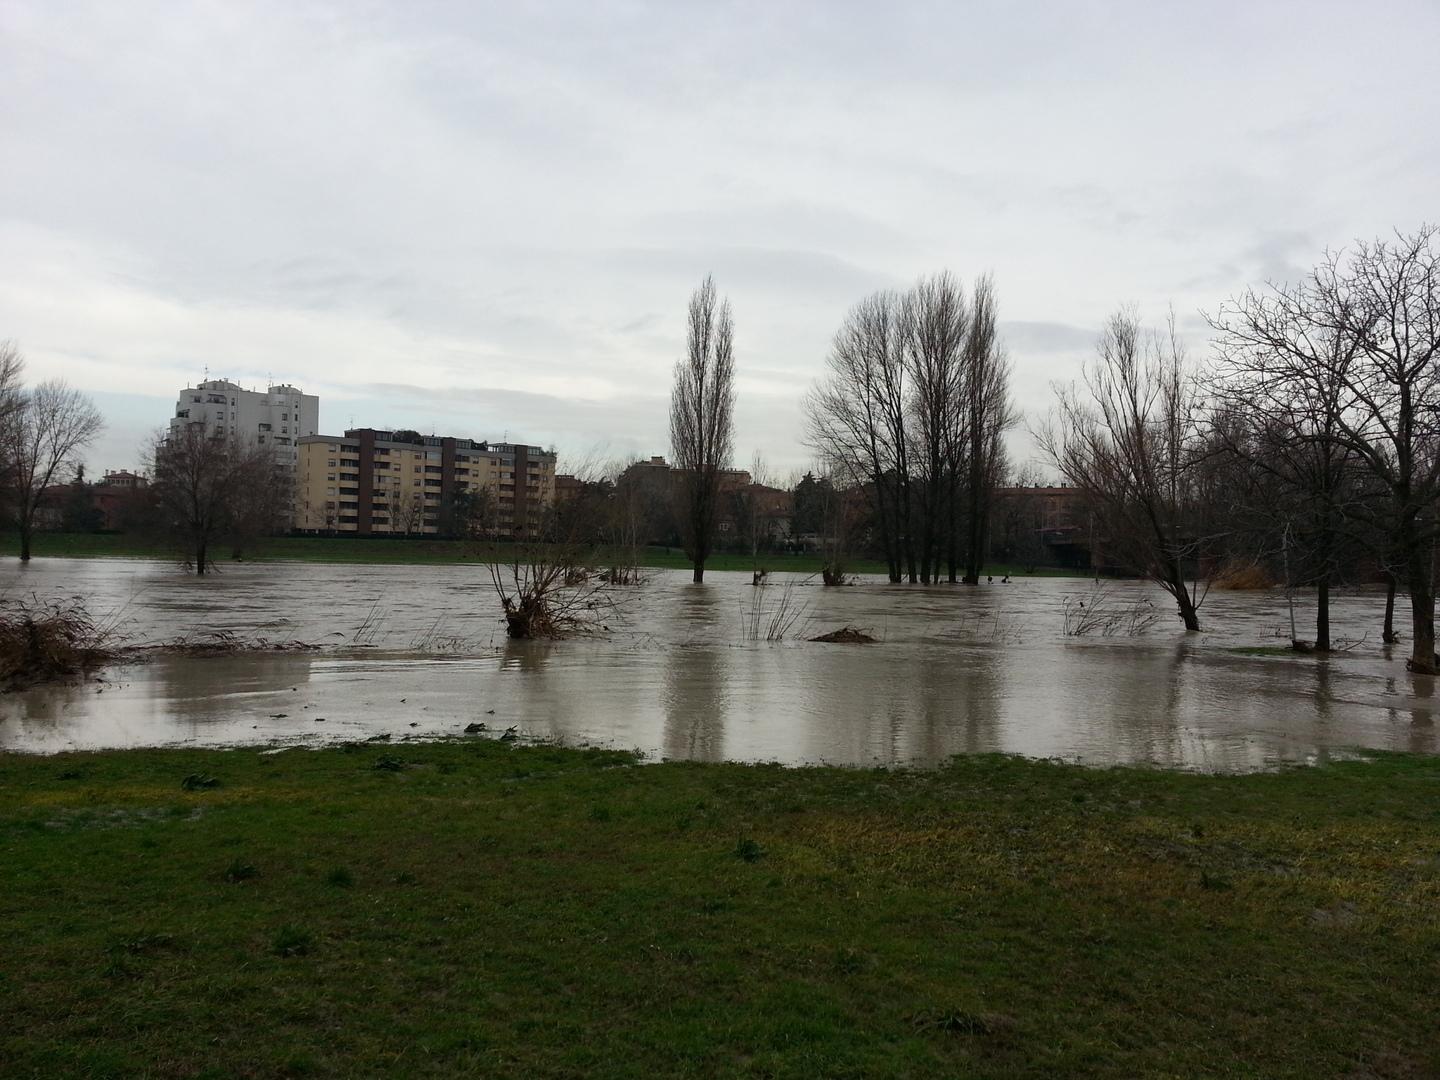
x,y
420,651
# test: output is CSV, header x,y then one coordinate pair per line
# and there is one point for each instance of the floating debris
x,y
846,635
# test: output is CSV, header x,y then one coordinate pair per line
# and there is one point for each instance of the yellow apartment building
x,y
373,482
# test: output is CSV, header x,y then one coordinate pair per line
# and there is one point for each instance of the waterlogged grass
x,y
482,910
421,552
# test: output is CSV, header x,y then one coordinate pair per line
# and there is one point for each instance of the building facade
x,y
114,494
278,418
371,482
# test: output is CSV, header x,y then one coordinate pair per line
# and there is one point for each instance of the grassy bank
x,y
448,909
331,549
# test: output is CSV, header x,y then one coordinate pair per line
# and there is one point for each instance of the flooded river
x,y
420,651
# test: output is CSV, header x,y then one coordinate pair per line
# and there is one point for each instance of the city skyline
x,y
491,221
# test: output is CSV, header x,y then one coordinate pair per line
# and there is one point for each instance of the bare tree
x,y
1368,324
985,415
207,489
550,584
857,416
702,415
12,368
408,518
835,509
936,322
915,405
626,524
1295,485
1126,438
52,423
754,507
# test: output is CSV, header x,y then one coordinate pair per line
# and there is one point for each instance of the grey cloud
x,y
523,194
789,272
1023,338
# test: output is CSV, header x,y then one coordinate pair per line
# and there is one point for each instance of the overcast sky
x,y
486,220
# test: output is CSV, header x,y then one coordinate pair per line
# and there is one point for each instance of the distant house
x,y
50,507
1042,525
114,494
656,479
769,508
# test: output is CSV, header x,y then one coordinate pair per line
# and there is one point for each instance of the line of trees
x,y
914,407
1312,440
1342,370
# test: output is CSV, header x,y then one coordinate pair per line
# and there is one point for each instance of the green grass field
x,y
470,909
414,552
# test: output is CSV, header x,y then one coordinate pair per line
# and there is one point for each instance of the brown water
x,y
420,651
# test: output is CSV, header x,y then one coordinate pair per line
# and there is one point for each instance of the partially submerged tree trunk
x,y
1422,611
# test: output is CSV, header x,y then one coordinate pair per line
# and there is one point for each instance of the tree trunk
x,y
1387,633
1322,617
1175,586
24,540
699,576
200,556
1422,612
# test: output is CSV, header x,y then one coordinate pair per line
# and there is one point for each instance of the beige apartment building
x,y
373,482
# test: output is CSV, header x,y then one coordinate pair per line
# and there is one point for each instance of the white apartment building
x,y
275,418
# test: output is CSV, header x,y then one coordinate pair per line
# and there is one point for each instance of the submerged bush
x,y
44,641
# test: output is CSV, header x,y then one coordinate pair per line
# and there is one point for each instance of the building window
x,y
329,464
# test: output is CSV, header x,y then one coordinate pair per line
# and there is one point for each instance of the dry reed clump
x,y
45,641
846,635
1242,577
1101,614
773,619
